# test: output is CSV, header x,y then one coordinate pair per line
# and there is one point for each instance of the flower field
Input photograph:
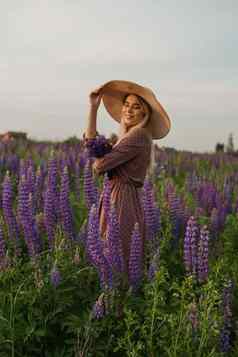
x,y
62,289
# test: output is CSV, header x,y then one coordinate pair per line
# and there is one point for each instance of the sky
x,y
54,53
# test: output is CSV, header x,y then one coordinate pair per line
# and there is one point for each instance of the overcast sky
x,y
53,53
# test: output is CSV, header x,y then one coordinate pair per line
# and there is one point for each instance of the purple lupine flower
x,y
115,255
7,206
190,246
31,178
55,276
52,183
203,254
93,245
207,196
98,146
22,199
50,219
90,189
95,251
106,196
154,265
151,212
225,334
83,157
65,208
38,187
12,164
135,261
33,227
77,180
99,310
177,212
176,216
27,219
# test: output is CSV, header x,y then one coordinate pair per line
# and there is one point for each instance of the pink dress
x,y
127,163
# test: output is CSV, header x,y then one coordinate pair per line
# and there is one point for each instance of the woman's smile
x,y
132,111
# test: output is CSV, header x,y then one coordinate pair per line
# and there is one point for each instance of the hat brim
x,y
113,94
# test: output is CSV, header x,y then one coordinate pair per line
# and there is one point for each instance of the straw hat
x,y
113,93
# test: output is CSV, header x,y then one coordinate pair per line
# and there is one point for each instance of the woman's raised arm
x,y
94,102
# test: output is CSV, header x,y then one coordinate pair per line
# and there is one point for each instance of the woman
x,y
141,119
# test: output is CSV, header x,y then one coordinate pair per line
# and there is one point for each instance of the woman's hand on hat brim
x,y
95,97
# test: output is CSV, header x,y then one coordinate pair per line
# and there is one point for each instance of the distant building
x,y
12,136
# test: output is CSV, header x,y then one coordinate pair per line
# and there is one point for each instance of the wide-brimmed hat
x,y
113,94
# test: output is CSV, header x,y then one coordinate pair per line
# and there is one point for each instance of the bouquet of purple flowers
x,y
98,146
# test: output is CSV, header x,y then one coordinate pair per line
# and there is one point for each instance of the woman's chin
x,y
130,125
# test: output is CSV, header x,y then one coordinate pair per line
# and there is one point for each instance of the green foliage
x,y
40,319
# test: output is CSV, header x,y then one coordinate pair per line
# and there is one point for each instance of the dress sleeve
x,y
127,149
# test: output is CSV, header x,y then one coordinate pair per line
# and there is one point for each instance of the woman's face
x,y
132,111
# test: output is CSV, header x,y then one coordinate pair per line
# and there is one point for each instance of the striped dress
x,y
127,164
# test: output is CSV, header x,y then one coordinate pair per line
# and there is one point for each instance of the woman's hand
x,y
95,98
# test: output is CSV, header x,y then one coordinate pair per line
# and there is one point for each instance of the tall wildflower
x,y
50,219
135,261
7,206
38,187
190,246
106,196
65,207
52,182
77,179
31,178
151,216
115,256
177,211
95,251
176,216
226,307
55,276
203,254
51,209
99,308
90,189
27,218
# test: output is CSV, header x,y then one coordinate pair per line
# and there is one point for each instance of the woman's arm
x,y
94,102
91,130
127,149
